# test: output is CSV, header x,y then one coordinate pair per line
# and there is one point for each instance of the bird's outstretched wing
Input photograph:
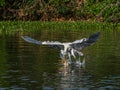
x,y
80,44
31,40
55,44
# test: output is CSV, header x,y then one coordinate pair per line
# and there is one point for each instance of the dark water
x,y
25,66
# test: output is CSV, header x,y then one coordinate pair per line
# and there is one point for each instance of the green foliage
x,y
103,10
62,6
113,12
107,9
2,3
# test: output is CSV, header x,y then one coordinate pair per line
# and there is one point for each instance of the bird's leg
x,y
69,58
81,63
80,54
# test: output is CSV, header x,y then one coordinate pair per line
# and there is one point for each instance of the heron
x,y
68,49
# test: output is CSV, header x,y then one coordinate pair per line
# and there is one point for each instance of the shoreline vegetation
x,y
34,26
60,10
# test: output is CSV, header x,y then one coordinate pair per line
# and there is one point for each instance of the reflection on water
x,y
25,66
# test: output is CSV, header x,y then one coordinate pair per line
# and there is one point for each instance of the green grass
x,y
10,27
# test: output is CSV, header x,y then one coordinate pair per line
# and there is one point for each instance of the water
x,y
26,66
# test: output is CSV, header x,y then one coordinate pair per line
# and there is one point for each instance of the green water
x,y
26,66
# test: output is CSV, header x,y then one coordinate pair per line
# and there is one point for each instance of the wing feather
x,y
55,44
31,40
80,44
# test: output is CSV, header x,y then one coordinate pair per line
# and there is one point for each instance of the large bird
x,y
67,49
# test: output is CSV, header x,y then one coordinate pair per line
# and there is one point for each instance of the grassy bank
x,y
54,10
21,26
